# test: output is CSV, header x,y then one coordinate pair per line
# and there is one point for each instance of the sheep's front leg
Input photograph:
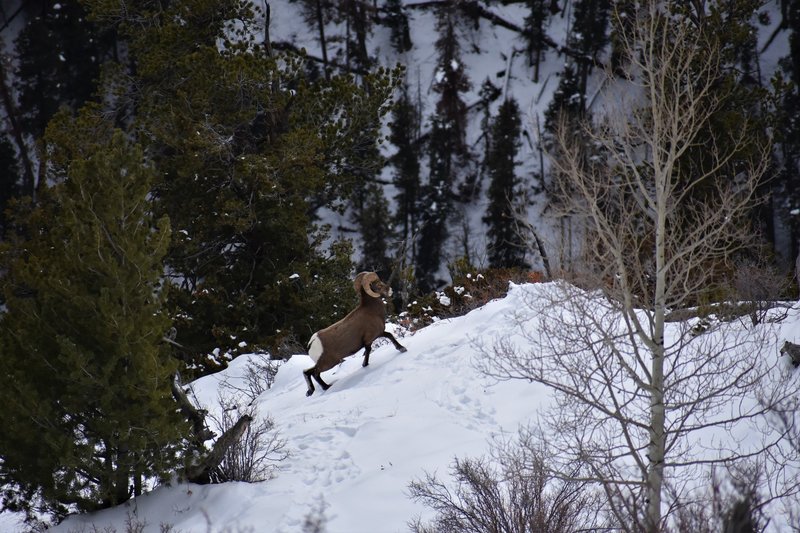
x,y
367,349
394,341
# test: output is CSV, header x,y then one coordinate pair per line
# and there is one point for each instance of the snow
x,y
356,447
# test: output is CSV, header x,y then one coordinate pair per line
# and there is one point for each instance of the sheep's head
x,y
372,285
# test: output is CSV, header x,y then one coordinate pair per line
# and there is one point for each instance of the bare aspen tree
x,y
645,404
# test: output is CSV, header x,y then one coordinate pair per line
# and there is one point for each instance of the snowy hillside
x,y
490,53
494,54
356,447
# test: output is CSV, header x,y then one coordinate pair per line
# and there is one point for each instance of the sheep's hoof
x,y
309,393
402,349
365,363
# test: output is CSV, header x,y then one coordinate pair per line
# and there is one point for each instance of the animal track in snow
x,y
350,432
341,469
471,412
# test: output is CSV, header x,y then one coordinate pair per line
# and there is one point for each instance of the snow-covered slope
x,y
494,54
490,53
357,446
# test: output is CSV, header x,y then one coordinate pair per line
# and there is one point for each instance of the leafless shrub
x,y
288,346
471,288
133,524
255,456
761,287
93,528
260,374
513,492
733,509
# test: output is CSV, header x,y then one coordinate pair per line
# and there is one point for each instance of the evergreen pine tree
x,y
535,34
248,149
9,180
739,101
621,23
588,36
375,232
60,52
397,20
488,94
568,103
448,154
438,201
85,384
403,135
450,82
787,186
506,245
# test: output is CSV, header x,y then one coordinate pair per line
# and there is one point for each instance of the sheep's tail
x,y
315,347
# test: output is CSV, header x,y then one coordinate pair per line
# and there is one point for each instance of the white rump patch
x,y
315,347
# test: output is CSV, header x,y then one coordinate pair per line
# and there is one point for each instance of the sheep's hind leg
x,y
394,341
307,375
316,376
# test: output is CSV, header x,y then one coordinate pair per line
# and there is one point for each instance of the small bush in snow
x,y
471,288
255,456
260,375
761,287
514,493
730,507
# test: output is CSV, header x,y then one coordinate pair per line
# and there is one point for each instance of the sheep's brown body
x,y
357,330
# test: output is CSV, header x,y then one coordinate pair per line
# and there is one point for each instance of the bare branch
x,y
646,404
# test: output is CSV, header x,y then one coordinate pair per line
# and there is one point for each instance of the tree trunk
x,y
203,472
29,183
657,447
322,42
197,417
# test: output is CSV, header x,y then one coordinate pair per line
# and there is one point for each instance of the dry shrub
x,y
471,288
260,374
761,287
511,493
737,509
256,455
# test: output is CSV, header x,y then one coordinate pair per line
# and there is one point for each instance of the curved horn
x,y
364,280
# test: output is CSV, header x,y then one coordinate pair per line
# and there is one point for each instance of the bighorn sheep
x,y
793,351
358,329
